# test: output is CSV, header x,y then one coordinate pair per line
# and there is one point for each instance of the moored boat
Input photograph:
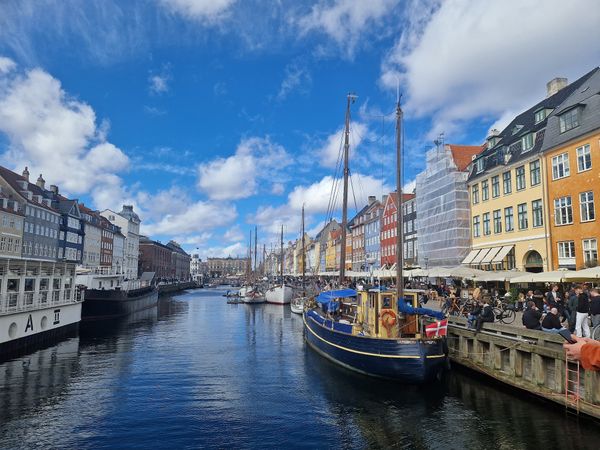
x,y
108,304
297,304
280,295
254,296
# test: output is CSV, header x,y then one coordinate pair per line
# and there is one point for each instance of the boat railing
x,y
14,302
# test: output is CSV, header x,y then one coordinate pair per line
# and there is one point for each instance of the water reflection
x,y
198,372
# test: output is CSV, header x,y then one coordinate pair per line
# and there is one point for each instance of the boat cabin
x,y
378,314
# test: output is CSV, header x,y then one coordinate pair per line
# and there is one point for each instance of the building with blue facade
x,y
372,236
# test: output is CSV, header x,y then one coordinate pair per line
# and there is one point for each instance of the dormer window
x,y
569,120
479,165
527,142
540,115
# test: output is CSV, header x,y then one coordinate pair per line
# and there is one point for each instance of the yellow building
x,y
331,256
507,187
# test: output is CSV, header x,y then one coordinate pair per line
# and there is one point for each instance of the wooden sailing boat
x,y
253,294
376,332
280,294
297,303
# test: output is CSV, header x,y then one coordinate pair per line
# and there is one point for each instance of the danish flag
x,y
437,328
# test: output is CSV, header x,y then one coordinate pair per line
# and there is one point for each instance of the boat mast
x,y
264,260
255,244
303,254
350,99
250,257
400,212
281,259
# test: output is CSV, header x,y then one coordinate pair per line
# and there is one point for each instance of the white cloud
x,y
196,217
200,10
277,188
345,21
468,59
6,64
56,135
158,83
233,234
296,77
329,152
237,176
316,196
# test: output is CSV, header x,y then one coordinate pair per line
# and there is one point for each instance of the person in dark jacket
x,y
532,316
582,326
572,307
595,307
473,315
487,315
551,322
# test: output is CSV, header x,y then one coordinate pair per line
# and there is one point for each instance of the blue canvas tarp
x,y
327,299
405,308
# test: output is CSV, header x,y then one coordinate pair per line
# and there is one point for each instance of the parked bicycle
x,y
505,314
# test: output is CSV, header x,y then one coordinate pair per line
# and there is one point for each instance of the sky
x,y
212,116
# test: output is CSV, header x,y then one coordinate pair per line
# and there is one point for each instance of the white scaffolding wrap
x,y
443,218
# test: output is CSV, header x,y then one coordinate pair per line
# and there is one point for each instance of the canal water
x,y
197,372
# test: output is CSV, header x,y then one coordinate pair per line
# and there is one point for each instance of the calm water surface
x,y
196,372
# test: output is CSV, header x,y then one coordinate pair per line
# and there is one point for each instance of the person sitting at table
x,y
551,322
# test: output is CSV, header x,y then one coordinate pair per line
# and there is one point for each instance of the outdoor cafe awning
x,y
502,254
491,254
542,277
480,256
472,254
593,273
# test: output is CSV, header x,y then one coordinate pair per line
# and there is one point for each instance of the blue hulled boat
x,y
368,333
377,333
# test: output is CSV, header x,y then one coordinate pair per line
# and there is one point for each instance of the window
x,y
566,249
520,177
527,142
509,220
586,202
486,224
485,190
590,252
522,216
497,221
563,211
569,120
475,193
560,166
584,158
479,165
540,115
476,230
534,172
507,182
537,213
496,186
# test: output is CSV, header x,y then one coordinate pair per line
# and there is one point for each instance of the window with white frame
x,y
560,166
475,193
586,202
509,220
486,224
590,251
537,213
569,120
496,186
584,158
497,221
485,190
540,115
563,211
566,250
507,182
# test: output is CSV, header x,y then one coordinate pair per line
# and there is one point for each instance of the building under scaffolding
x,y
443,222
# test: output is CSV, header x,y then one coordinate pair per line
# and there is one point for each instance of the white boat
x,y
243,290
254,296
297,305
280,295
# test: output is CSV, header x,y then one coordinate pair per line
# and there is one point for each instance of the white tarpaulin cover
x,y
543,277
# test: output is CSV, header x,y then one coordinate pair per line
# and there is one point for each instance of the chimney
x,y
54,188
372,199
41,183
26,174
555,85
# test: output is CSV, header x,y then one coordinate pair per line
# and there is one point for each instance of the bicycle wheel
x,y
497,314
596,333
508,316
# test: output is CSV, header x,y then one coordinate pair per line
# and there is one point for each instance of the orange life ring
x,y
388,324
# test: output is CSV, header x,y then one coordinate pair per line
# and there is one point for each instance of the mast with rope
x,y
399,211
281,258
351,98
303,256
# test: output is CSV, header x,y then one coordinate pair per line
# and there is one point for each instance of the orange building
x,y
572,155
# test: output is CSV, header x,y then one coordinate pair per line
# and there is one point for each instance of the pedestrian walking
x,y
582,327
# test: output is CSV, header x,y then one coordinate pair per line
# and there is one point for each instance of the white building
x,y
118,257
93,238
129,222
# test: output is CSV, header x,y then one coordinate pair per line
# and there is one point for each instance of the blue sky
x,y
211,116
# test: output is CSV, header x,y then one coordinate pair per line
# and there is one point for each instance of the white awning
x,y
502,254
480,256
542,277
470,257
493,252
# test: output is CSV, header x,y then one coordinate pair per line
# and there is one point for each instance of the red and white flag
x,y
437,328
